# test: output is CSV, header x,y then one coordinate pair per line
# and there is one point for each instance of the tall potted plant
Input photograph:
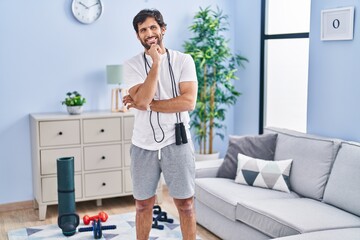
x,y
215,66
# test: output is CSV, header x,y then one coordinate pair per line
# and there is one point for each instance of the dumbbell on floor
x,y
97,229
102,216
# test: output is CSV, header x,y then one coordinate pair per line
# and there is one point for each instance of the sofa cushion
x,y
284,217
223,227
259,146
336,234
343,187
207,168
222,195
312,160
261,173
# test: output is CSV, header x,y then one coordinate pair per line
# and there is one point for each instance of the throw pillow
x,y
261,173
257,146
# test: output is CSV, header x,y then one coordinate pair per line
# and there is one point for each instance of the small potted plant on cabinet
x,y
74,102
216,65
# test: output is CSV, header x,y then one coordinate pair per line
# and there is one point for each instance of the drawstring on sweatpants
x,y
159,154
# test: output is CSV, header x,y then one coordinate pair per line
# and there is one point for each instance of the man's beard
x,y
147,46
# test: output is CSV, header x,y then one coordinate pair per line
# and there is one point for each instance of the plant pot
x,y
74,110
203,157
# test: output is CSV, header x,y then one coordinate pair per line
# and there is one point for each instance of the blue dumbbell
x,y
97,228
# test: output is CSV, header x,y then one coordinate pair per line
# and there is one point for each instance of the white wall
x,y
334,85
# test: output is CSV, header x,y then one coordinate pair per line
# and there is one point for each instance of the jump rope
x,y
180,133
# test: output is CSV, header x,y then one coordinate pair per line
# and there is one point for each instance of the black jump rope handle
x,y
183,133
180,134
177,134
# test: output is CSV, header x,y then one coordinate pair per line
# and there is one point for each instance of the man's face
x,y
149,33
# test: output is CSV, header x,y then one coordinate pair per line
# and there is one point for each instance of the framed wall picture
x,y
337,24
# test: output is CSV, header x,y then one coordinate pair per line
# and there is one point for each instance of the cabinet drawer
x,y
128,127
102,157
102,184
49,188
48,159
54,133
102,130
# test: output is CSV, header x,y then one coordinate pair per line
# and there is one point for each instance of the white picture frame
x,y
337,24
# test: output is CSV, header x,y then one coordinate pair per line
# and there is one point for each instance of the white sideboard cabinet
x,y
100,144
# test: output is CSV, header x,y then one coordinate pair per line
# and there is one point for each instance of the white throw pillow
x,y
262,173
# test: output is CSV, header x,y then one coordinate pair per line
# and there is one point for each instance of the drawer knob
x,y
103,157
104,184
102,130
60,133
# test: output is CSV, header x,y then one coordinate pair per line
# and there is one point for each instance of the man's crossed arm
x,y
184,102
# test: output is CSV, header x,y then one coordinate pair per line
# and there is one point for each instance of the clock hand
x,y
84,5
94,5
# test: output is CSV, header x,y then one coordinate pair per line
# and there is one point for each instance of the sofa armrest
x,y
207,168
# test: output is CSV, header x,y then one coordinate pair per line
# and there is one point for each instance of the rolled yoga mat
x,y
68,220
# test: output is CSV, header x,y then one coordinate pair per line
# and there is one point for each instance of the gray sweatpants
x,y
176,162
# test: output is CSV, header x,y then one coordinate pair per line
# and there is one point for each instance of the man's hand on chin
x,y
155,52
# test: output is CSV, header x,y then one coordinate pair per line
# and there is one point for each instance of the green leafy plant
x,y
215,67
74,99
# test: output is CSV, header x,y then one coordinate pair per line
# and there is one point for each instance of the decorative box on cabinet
x,y
100,144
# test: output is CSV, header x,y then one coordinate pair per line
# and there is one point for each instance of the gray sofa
x,y
324,201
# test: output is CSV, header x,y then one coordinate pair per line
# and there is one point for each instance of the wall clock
x,y
87,11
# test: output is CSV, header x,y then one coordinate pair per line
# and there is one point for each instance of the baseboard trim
x,y
16,206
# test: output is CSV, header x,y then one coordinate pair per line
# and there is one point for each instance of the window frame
x,y
264,37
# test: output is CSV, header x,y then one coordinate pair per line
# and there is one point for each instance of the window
x,y
284,63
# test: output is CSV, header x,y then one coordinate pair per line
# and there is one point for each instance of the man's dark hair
x,y
144,14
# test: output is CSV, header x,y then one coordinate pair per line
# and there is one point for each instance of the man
x,y
162,88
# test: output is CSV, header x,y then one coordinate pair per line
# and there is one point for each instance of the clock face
x,y
87,11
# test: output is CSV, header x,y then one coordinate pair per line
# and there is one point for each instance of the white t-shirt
x,y
134,73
